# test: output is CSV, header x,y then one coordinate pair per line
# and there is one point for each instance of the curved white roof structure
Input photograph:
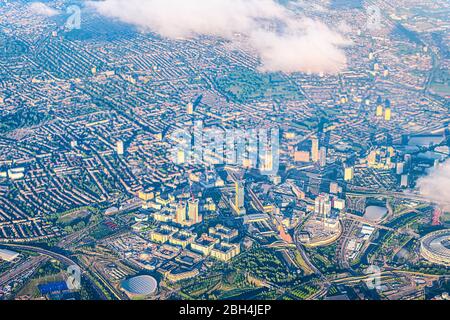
x,y
375,213
435,247
140,286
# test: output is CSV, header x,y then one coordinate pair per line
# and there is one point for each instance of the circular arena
x,y
435,247
140,287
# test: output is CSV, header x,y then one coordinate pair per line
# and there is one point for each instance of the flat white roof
x,y
8,255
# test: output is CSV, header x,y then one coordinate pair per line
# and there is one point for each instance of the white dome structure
x,y
375,213
140,286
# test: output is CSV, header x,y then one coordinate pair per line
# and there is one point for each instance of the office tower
x,y
315,150
400,168
239,194
388,114
323,156
268,163
266,158
181,156
323,206
404,183
119,148
338,204
193,211
380,110
199,144
239,197
388,111
180,216
349,173
190,108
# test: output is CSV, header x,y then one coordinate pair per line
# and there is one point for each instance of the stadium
x,y
140,286
435,247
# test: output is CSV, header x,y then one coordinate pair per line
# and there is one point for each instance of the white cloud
x,y
314,50
436,186
42,9
284,41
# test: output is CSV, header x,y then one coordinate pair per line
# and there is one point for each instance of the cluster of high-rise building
x,y
188,214
384,109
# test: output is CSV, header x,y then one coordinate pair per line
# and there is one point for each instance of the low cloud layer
x,y
436,186
42,9
284,41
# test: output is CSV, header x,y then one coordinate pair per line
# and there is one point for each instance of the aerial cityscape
x,y
224,150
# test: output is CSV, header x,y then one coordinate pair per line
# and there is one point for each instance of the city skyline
x,y
224,150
